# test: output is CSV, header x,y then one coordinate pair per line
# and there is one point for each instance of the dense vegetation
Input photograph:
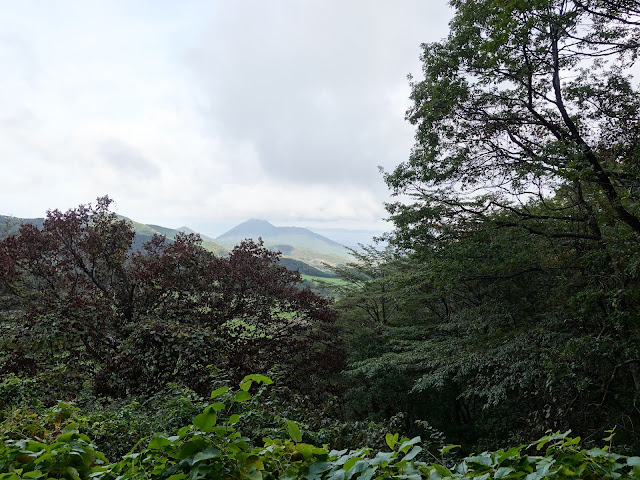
x,y
510,302
506,304
211,446
78,298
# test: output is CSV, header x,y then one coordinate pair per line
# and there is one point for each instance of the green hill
x,y
294,242
272,235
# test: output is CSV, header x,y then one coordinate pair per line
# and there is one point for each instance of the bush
x,y
212,447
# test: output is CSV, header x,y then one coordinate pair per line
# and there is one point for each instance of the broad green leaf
x,y
9,476
338,474
73,473
513,452
219,391
177,476
572,441
319,467
246,382
368,473
206,455
261,379
482,459
67,436
242,396
382,458
360,466
633,461
444,471
190,448
33,474
71,428
502,472
338,453
294,431
217,406
33,446
444,450
350,463
412,454
206,420
233,419
159,441
305,450
254,461
404,448
595,452
42,458
391,440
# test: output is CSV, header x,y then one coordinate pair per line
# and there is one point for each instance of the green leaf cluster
x,y
213,448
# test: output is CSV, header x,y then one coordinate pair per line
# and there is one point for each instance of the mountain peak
x,y
252,228
258,222
280,236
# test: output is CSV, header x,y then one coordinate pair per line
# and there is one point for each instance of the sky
x,y
208,113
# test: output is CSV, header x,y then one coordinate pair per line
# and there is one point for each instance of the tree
x,y
522,222
523,99
368,283
134,319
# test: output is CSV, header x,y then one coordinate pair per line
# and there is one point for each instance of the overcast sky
x,y
207,113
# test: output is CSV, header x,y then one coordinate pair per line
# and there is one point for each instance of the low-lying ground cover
x,y
212,446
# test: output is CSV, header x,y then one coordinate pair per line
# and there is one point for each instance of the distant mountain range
x,y
281,236
144,232
303,250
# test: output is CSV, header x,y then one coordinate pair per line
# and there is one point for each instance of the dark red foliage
x,y
133,320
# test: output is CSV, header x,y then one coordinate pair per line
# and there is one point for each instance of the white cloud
x,y
208,111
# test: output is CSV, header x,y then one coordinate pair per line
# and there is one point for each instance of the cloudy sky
x,y
207,113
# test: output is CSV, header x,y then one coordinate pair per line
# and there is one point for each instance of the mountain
x,y
286,237
144,232
296,244
350,238
207,242
304,268
9,224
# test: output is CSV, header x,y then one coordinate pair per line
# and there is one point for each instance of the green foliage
x,y
79,298
367,284
515,286
116,425
503,335
212,447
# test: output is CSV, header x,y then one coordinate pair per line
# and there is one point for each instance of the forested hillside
x,y
501,316
509,303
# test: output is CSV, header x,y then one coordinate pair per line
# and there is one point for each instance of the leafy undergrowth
x,y
212,447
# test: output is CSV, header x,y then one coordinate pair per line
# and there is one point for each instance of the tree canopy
x,y
80,295
526,103
516,283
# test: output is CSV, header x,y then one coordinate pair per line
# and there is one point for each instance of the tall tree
x,y
523,219
80,295
523,98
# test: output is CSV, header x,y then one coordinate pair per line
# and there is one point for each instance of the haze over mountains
x,y
296,243
272,235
